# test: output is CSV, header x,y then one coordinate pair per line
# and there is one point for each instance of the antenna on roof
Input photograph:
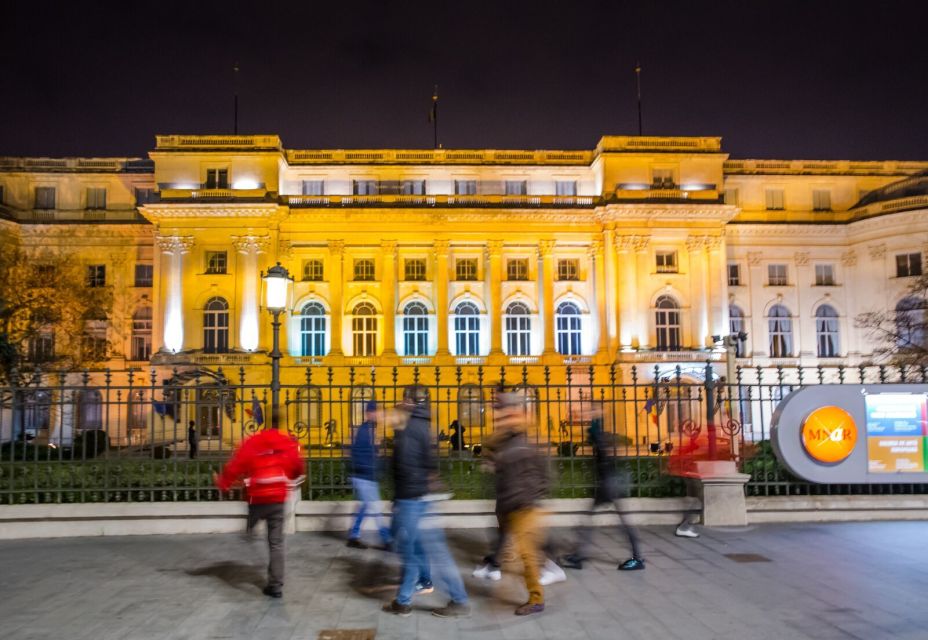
x,y
433,117
235,90
638,83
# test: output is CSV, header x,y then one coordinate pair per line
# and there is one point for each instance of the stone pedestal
x,y
722,493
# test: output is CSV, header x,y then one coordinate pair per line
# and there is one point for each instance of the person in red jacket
x,y
267,461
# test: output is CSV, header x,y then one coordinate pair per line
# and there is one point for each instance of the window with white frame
x,y
217,178
667,323
361,395
93,342
780,325
518,329
565,187
96,275
414,269
313,270
567,329
515,187
908,264
416,329
467,329
41,346
826,331
734,274
96,198
910,317
666,261
364,269
138,414
313,187
216,326
774,199
465,187
777,275
465,269
662,179
364,329
144,274
141,334
216,262
312,329
824,275
309,406
45,197
517,269
736,326
412,187
144,195
364,187
821,200
732,196
568,269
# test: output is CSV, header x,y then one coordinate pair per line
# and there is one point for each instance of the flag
x,y
650,408
256,411
163,408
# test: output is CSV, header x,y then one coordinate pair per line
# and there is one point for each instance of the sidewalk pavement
x,y
782,582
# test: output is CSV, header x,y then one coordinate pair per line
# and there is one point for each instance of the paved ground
x,y
867,581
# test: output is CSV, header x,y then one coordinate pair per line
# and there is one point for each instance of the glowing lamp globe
x,y
277,288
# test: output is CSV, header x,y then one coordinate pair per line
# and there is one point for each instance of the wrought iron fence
x,y
124,436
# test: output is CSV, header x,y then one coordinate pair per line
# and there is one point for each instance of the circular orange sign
x,y
829,434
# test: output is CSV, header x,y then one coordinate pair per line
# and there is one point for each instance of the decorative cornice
x,y
251,244
837,231
174,245
614,212
158,212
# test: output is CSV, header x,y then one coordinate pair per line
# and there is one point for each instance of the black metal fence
x,y
125,436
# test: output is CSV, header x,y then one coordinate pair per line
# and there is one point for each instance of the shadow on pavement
x,y
236,575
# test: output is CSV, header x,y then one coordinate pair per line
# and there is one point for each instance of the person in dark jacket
x,y
364,479
418,540
193,440
457,436
611,488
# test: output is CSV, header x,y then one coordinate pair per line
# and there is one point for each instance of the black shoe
x,y
354,543
632,564
397,609
273,592
529,608
571,561
452,610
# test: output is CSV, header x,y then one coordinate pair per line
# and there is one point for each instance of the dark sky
x,y
808,79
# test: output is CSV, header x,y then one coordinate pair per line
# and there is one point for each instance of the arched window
x,y
216,326
364,329
89,410
93,343
467,329
360,396
910,322
416,329
312,329
736,326
471,408
567,329
141,334
138,415
781,332
518,330
309,406
667,322
826,331
34,414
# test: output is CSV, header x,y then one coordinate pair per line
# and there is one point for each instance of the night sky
x,y
807,79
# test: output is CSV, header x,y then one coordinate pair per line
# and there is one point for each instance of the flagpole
x,y
638,83
435,116
235,89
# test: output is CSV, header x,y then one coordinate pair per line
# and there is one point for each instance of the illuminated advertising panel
x,y
896,432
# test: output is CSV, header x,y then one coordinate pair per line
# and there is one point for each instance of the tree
x,y
50,316
901,334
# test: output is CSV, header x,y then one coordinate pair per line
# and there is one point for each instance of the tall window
x,y
416,329
143,275
216,262
216,326
774,199
309,406
360,396
313,271
517,269
414,269
412,187
89,409
471,408
516,187
776,275
667,321
93,342
45,197
465,187
217,178
565,188
96,275
908,264
736,326
821,200
826,331
910,322
96,198
42,346
568,269
666,261
518,330
141,334
734,274
781,332
364,329
467,329
465,269
313,187
824,275
662,179
364,269
312,329
138,414
567,329
731,197
364,187
144,196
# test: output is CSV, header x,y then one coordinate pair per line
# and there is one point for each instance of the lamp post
x,y
277,283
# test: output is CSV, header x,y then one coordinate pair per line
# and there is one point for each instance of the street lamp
x,y
277,283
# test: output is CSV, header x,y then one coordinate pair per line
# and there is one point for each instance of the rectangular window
x,y
517,269
774,199
908,264
364,187
45,197
821,200
568,269
776,275
734,274
465,269
42,346
216,262
217,178
732,197
565,188
516,187
666,261
96,198
96,275
412,188
143,275
364,269
44,274
662,179
144,196
313,187
313,271
414,269
465,187
824,275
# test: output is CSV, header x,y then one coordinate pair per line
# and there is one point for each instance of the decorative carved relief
x,y
336,247
849,258
250,244
754,258
801,258
494,248
877,251
441,247
285,249
695,243
546,248
635,243
174,244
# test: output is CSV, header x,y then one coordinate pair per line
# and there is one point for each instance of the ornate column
x,y
388,293
611,286
494,256
336,287
440,253
699,290
249,247
546,254
599,285
718,285
120,322
632,332
175,247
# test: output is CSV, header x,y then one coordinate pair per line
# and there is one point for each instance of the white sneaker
x,y
551,573
686,531
488,572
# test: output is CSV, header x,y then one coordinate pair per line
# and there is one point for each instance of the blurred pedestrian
x,y
193,440
419,540
364,479
267,462
611,489
457,436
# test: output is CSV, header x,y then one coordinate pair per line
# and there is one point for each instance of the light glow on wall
x,y
173,313
245,183
248,331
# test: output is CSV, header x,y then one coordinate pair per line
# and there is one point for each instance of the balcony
x,y
214,195
646,192
468,201
436,156
209,359
653,355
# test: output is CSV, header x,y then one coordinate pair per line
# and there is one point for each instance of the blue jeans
x,y
419,540
368,492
